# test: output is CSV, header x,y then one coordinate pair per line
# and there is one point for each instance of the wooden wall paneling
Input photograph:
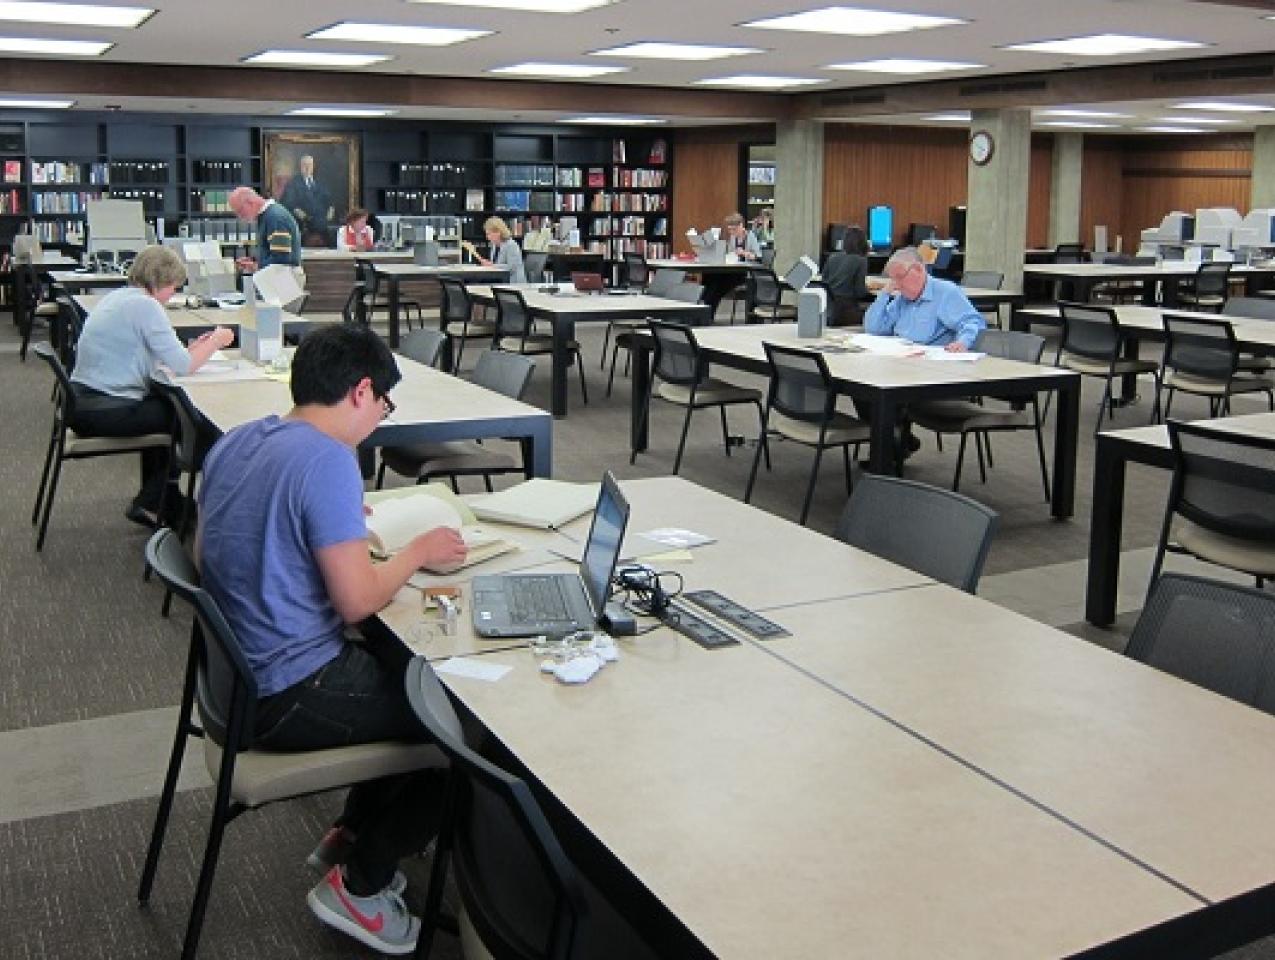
x,y
705,186
920,172
1102,191
1040,190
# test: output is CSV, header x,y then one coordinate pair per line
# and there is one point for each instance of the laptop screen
x,y
602,549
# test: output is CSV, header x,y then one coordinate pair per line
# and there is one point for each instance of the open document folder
x,y
399,515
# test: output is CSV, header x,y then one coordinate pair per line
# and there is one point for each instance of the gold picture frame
x,y
334,187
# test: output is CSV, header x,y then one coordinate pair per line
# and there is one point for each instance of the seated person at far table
x,y
126,339
356,234
282,549
504,250
924,309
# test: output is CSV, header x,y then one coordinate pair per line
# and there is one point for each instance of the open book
x,y
541,503
399,515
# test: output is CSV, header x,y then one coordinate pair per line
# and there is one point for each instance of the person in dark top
x,y
278,237
845,276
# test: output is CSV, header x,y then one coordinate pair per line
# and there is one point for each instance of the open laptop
x,y
526,604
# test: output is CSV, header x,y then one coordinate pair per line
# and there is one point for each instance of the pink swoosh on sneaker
x,y
371,924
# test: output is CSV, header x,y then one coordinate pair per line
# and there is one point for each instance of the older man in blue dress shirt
x,y
921,308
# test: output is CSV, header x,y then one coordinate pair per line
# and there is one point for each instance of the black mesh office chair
x,y
625,329
219,683
1094,346
1202,358
424,346
637,274
1251,308
514,332
354,310
521,894
457,320
1208,289
499,371
30,306
1221,506
664,280
985,280
684,381
965,417
373,301
1219,636
897,519
533,266
801,406
764,297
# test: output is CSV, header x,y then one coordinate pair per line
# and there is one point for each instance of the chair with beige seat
x,y
1201,357
505,373
801,406
65,444
1093,345
29,305
1221,506
515,332
684,381
219,683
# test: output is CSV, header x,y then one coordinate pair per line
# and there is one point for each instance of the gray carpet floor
x,y
84,647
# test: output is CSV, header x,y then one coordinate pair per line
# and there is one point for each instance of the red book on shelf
x,y
597,177
659,151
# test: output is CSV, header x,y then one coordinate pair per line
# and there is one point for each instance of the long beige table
x,y
563,310
913,773
189,320
1146,323
1113,451
1085,275
430,406
74,281
887,384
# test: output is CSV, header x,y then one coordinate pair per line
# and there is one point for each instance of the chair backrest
x,y
1010,345
63,395
1200,347
366,274
1211,278
512,319
225,689
768,257
763,287
457,306
354,310
1069,253
663,279
423,346
1253,308
66,330
901,520
194,435
636,272
533,266
982,279
1220,636
685,292
1223,482
519,890
1090,331
504,372
677,356
800,385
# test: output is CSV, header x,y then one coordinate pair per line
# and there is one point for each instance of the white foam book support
x,y
544,504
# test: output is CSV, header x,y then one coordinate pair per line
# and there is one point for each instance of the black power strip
x,y
707,635
754,624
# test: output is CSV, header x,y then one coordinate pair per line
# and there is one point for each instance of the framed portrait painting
x,y
314,175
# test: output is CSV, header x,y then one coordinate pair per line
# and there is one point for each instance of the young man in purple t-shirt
x,y
282,549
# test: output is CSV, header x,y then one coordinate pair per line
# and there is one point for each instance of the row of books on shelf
x,y
617,247
152,200
58,231
628,202
639,177
627,226
761,175
210,201
230,231
432,201
56,171
138,171
441,176
10,201
217,171
524,175
532,200
61,201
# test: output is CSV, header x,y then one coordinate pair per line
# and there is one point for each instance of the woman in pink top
x,y
356,234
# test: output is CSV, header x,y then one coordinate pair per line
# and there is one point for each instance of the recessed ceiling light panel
x,y
657,50
69,48
1103,45
960,117
314,58
756,81
903,65
565,71
529,6
75,14
25,103
853,22
1089,114
1223,106
615,121
342,112
1078,125
397,33
1167,128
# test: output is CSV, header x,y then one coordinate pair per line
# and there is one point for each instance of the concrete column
x,y
996,221
1064,188
1262,185
798,191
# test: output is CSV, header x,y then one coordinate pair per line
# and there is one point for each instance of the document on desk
x,y
953,356
473,669
225,371
887,346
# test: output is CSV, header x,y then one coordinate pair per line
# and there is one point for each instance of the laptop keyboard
x,y
537,600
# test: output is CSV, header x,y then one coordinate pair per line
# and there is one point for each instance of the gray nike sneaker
x,y
380,921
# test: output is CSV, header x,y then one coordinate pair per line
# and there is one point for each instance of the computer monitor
x,y
881,227
920,232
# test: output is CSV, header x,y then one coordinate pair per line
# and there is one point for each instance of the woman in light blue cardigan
x,y
504,249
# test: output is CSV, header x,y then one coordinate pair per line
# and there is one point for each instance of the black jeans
x,y
361,698
102,415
